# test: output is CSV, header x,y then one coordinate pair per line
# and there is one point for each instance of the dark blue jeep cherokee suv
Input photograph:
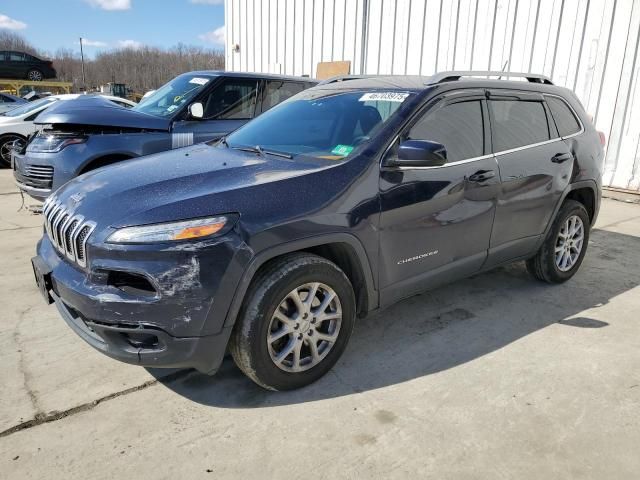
x,y
345,198
194,107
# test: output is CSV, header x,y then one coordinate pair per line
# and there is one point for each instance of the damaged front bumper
x,y
149,347
175,325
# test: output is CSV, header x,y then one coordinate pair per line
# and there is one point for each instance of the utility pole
x,y
84,85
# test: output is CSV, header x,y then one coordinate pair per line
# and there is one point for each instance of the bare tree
x,y
140,69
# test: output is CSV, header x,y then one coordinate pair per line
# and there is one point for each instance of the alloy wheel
x,y
304,327
6,147
35,75
569,243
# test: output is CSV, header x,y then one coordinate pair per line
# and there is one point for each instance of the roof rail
x,y
456,75
344,78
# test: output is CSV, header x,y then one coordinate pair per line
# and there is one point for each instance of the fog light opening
x,y
131,283
142,340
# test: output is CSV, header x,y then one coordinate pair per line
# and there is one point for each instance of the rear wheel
x,y
34,75
295,323
563,250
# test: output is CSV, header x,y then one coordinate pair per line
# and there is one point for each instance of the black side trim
x,y
301,244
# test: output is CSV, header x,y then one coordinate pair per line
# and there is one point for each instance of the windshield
x,y
320,123
166,101
29,107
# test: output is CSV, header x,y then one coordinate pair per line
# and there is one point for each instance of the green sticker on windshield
x,y
343,150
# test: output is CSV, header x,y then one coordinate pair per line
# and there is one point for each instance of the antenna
x,y
504,68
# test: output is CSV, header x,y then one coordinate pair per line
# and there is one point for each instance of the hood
x,y
99,111
186,183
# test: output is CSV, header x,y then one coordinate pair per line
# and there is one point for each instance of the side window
x,y
457,126
233,99
16,57
277,91
516,123
566,121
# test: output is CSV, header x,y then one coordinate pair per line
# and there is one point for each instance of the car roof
x,y
224,73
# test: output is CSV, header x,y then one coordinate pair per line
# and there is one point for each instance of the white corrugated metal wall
x,y
590,46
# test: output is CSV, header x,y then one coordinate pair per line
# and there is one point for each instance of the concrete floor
x,y
498,376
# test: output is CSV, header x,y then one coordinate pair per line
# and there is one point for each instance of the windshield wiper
x,y
223,141
260,151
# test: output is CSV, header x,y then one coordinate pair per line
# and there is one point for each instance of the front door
x,y
535,168
227,106
435,222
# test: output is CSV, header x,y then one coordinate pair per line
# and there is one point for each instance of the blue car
x,y
341,201
194,107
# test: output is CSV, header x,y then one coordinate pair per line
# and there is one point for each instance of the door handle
x,y
561,157
482,175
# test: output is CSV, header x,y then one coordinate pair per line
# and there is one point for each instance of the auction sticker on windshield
x,y
384,96
199,80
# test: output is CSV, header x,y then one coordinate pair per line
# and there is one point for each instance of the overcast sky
x,y
105,24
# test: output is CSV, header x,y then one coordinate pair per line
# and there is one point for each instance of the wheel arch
x,y
583,191
585,195
343,249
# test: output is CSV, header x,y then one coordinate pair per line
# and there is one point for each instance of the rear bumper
x,y
148,347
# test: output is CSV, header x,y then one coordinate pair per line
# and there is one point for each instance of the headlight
x,y
169,232
53,143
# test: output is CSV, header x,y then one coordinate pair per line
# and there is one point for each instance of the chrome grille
x,y
68,232
39,176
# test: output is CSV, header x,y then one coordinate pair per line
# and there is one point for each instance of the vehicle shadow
x,y
443,328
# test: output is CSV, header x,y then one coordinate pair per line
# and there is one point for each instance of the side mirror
x,y
420,153
196,110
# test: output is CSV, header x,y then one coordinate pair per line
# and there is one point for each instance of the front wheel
x,y
6,148
563,250
295,322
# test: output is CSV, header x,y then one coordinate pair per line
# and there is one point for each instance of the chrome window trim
x,y
525,147
495,154
451,164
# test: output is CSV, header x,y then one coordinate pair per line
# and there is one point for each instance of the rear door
x,y
229,104
277,91
435,222
16,64
535,168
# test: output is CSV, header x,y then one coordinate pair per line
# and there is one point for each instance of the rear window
x,y
566,121
517,123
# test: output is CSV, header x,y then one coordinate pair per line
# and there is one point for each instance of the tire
x,y
273,289
5,148
553,265
35,75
